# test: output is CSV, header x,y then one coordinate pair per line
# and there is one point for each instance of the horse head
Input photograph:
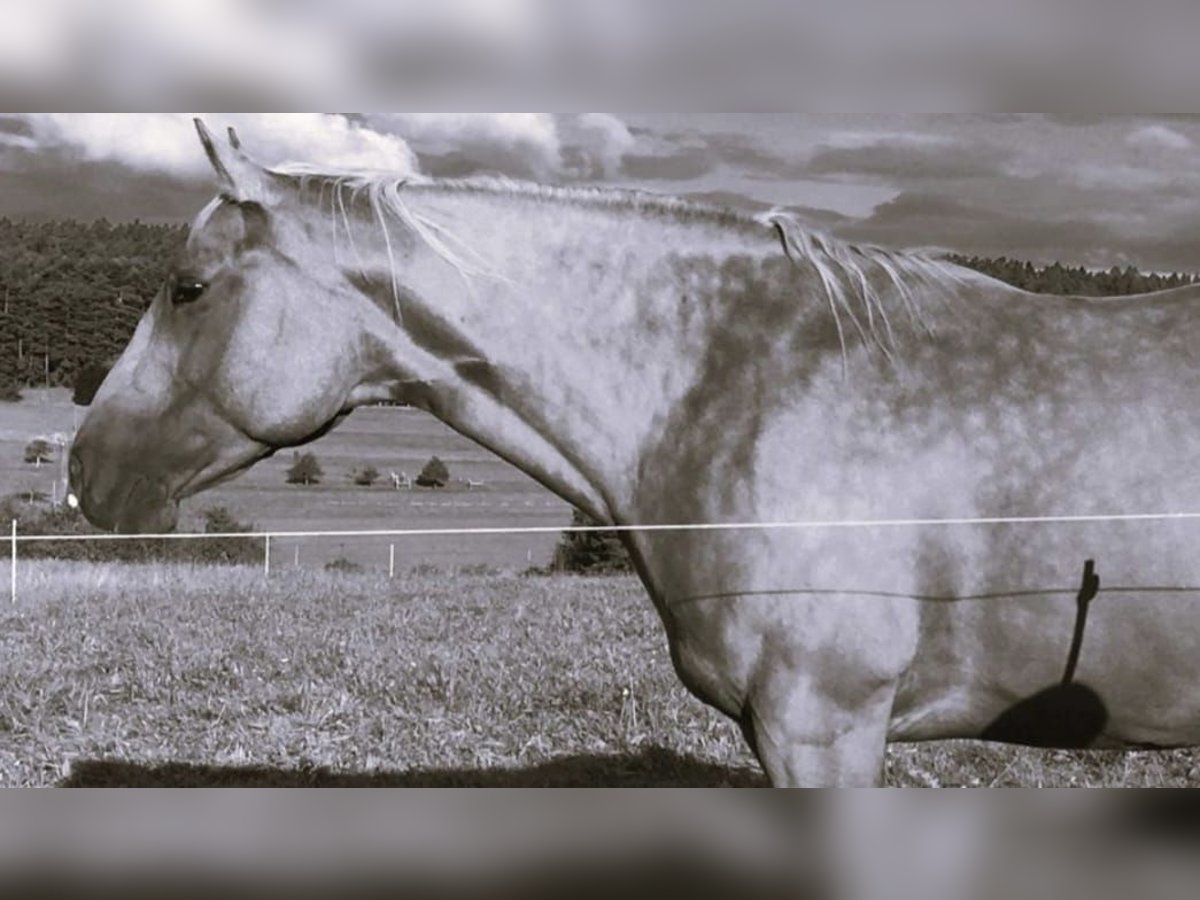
x,y
237,356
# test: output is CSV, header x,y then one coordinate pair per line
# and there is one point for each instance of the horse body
x,y
657,363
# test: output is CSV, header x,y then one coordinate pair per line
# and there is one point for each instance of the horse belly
x,y
997,631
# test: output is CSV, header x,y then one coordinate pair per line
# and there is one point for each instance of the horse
x,y
860,485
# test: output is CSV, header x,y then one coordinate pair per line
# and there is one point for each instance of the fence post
x,y
13,569
266,556
391,560
296,557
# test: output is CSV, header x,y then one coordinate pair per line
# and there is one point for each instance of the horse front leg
x,y
810,679
809,731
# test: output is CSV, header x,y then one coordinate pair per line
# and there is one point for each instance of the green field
x,y
388,438
173,675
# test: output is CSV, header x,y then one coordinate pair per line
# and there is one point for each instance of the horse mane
x,y
854,277
383,192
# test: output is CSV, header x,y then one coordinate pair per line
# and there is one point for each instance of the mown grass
x,y
174,675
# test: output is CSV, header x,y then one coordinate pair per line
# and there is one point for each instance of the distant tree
x,y
366,477
38,451
87,382
305,470
435,474
219,520
592,552
1059,279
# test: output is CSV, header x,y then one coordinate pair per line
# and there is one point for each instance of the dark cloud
x,y
684,164
1088,120
488,161
911,160
911,206
15,125
54,186
747,154
686,155
930,219
682,156
1079,120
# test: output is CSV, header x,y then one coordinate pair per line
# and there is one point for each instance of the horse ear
x,y
240,176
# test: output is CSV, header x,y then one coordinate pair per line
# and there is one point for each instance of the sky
x,y
1095,190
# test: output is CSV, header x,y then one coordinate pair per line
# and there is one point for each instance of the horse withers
x,y
660,363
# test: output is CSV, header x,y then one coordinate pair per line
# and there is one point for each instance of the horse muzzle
x,y
114,500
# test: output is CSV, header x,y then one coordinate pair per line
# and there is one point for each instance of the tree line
x,y
71,293
1059,279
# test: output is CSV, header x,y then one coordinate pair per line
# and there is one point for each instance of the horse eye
x,y
186,290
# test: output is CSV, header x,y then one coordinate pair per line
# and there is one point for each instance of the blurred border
x,y
854,844
754,55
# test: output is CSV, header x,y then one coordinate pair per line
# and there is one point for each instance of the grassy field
x,y
455,672
171,675
388,438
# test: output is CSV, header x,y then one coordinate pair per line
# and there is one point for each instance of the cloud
x,y
530,145
683,164
1121,177
525,144
596,143
872,155
1158,136
1079,237
166,143
910,158
688,155
534,145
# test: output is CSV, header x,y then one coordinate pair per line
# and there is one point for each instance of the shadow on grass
x,y
652,767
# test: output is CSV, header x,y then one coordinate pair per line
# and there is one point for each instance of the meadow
x,y
458,671
389,439
170,675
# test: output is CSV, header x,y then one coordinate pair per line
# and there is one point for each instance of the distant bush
x,y
435,474
38,518
366,477
39,451
231,551
305,469
10,391
478,569
341,564
590,552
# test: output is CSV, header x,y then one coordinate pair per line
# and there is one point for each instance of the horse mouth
x,y
145,508
148,508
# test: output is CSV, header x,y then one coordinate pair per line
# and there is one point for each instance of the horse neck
x,y
566,342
